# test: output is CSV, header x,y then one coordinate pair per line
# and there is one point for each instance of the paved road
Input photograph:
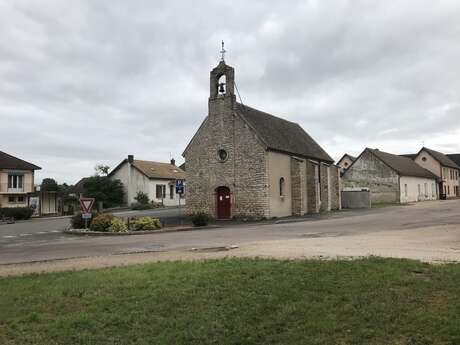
x,y
48,246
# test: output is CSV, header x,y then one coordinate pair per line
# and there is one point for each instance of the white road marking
x,y
55,231
25,234
42,232
9,236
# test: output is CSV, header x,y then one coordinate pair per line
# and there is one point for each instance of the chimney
x,y
130,159
173,161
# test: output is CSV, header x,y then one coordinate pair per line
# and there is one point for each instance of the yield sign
x,y
86,204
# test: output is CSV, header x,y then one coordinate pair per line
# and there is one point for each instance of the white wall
x,y
134,181
413,195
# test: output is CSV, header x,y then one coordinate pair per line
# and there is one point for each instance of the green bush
x,y
200,219
139,206
147,223
18,213
142,198
102,222
77,222
118,225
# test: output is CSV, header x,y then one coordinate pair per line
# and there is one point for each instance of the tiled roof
x,y
10,162
441,158
282,135
410,155
159,170
455,157
154,169
352,158
402,165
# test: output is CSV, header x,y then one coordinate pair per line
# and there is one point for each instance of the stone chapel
x,y
244,163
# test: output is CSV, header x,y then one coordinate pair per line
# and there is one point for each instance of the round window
x,y
223,155
424,159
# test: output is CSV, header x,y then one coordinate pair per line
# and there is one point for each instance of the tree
x,y
49,185
104,189
102,170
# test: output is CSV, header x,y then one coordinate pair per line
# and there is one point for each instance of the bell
x,y
221,88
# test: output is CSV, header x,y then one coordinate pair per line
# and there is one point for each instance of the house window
x,y
20,199
15,181
160,191
419,190
346,164
424,159
11,199
448,190
426,190
282,183
433,188
171,191
405,189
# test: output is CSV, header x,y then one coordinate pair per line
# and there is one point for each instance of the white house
x,y
157,180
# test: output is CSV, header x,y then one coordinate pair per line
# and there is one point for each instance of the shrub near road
x,y
372,301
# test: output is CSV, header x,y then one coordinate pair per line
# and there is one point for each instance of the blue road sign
x,y
180,186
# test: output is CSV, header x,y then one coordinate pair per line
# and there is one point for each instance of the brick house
x,y
243,162
390,178
16,181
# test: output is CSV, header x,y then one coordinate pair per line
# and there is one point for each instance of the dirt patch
x,y
437,244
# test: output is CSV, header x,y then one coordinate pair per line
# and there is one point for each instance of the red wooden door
x,y
223,203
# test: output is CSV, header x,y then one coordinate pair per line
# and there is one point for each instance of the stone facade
x,y
370,172
227,152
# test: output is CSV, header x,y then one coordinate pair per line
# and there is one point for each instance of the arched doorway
x,y
224,204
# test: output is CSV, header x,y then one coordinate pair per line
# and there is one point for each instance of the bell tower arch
x,y
222,79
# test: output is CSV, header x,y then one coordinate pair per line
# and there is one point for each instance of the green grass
x,y
371,301
386,204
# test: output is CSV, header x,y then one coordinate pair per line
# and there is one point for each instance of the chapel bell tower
x,y
222,80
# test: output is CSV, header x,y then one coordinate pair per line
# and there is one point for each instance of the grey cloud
x,y
89,82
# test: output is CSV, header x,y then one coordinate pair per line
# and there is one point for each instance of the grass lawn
x,y
237,301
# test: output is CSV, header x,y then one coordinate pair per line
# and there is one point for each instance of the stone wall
x,y
335,180
369,171
244,172
324,187
298,186
312,187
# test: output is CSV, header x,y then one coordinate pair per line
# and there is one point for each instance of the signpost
x,y
86,205
180,187
180,191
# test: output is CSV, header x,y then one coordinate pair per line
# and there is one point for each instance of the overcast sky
x,y
88,82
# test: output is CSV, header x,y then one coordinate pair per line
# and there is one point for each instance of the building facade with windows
x,y
447,171
391,178
244,163
157,180
16,181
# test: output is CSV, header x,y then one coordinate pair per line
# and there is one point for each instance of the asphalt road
x,y
44,241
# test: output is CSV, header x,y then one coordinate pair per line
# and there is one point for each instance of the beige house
x,y
16,181
243,162
444,168
390,178
156,179
345,162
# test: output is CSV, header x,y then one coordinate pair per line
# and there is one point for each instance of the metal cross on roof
x,y
222,52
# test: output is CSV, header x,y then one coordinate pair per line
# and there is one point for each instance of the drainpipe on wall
x,y
130,162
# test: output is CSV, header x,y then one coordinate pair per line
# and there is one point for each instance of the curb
x,y
132,233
